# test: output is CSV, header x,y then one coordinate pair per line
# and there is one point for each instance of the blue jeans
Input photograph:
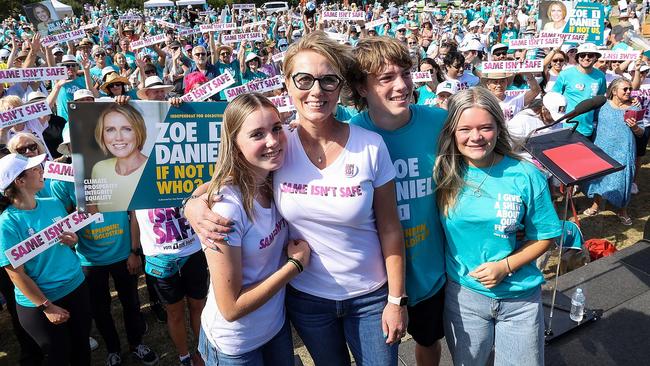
x,y
328,327
277,351
475,323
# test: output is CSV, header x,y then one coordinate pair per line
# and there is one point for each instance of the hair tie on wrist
x,y
296,263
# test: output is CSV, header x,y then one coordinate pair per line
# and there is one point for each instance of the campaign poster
x,y
143,154
575,18
43,16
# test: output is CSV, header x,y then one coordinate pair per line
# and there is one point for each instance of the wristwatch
x,y
137,251
44,305
399,301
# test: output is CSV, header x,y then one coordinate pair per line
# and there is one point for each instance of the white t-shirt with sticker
x,y
166,231
262,244
512,105
332,209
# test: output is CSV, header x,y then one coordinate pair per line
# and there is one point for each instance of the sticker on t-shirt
x,y
580,86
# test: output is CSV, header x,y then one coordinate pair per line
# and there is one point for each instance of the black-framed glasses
x,y
116,85
499,53
224,54
199,54
557,60
69,66
413,43
626,89
305,81
102,54
31,147
588,54
150,72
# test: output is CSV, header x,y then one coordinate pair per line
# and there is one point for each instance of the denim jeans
x,y
327,327
278,351
475,323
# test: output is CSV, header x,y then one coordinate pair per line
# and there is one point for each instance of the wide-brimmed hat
x,y
251,56
153,83
589,48
113,78
497,75
13,164
82,93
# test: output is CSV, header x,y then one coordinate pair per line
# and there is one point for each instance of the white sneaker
x,y
145,355
634,189
93,343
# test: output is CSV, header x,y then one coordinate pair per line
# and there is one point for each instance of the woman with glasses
x,y
52,299
454,66
554,63
615,135
250,68
28,145
116,85
336,192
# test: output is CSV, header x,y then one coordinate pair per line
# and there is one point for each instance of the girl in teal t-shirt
x,y
52,300
485,196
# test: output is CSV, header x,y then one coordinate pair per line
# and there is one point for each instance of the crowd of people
x,y
378,206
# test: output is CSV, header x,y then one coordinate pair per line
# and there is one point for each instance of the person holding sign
x,y
244,318
52,299
493,293
120,132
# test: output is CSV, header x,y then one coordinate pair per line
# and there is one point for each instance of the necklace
x,y
477,192
320,158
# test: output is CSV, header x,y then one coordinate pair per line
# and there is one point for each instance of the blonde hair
x,y
372,55
338,55
10,102
556,3
12,144
450,169
614,85
232,168
131,114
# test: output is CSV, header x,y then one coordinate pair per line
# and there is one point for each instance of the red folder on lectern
x,y
577,160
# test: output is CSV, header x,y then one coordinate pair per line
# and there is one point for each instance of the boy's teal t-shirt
x,y
413,149
56,271
577,86
481,227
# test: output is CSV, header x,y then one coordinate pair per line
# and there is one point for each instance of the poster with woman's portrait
x,y
44,17
142,154
569,17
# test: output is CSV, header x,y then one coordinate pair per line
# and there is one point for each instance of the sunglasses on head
x,y
31,147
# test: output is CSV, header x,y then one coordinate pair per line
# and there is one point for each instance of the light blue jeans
x,y
328,327
475,324
276,352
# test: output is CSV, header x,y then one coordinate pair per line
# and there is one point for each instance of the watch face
x,y
404,300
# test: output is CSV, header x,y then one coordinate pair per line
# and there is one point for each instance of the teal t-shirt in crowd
x,y
345,113
426,96
56,271
482,226
233,67
249,76
66,94
577,86
413,150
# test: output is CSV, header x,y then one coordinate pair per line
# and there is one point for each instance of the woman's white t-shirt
x,y
262,243
332,209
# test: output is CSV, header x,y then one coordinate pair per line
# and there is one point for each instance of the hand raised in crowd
x,y
56,314
122,99
85,62
35,43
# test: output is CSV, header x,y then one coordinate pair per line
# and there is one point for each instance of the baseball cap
x,y
589,48
498,46
555,103
56,50
472,45
13,164
447,87
82,93
68,59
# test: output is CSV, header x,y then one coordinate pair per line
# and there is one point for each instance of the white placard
x,y
215,27
259,86
338,36
344,15
620,55
44,239
33,74
532,43
253,25
239,37
129,17
63,37
188,32
210,88
512,66
243,6
278,57
515,92
566,37
58,171
24,113
283,103
421,76
167,24
148,41
376,22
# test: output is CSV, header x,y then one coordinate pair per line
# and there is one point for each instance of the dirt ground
x,y
605,225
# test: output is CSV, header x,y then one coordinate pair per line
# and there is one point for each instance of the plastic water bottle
x,y
577,305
